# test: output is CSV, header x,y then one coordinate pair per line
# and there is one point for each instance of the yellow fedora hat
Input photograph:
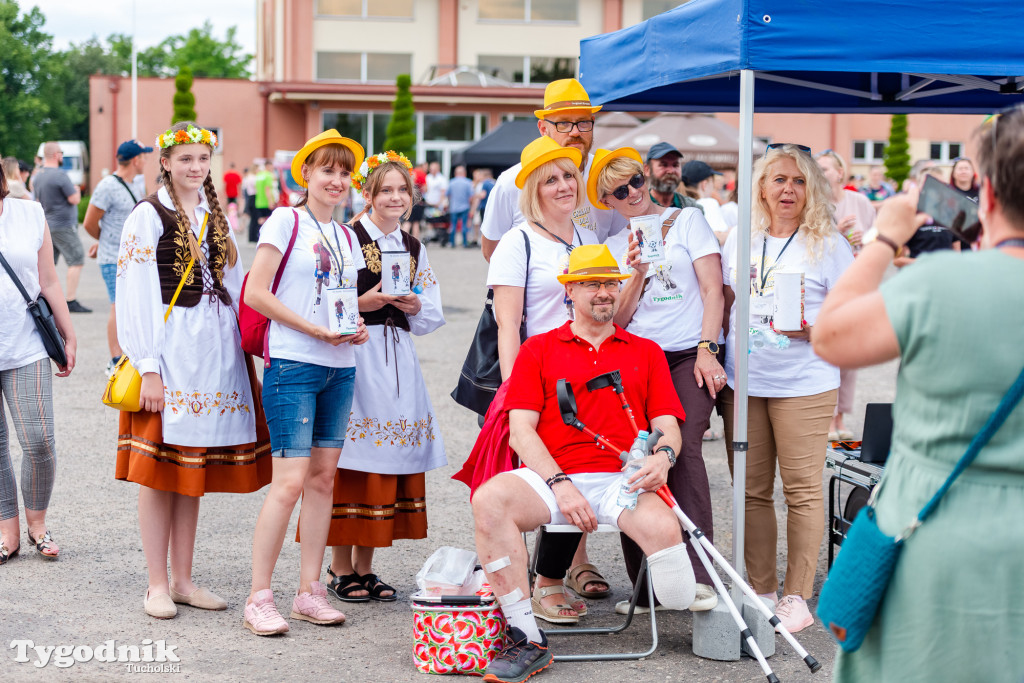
x,y
328,137
592,262
541,151
566,94
602,158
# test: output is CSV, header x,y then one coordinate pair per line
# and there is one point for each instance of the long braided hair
x,y
219,227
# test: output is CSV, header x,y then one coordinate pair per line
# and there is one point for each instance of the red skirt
x,y
143,457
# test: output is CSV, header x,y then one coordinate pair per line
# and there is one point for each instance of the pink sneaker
x,y
262,617
313,607
772,597
793,613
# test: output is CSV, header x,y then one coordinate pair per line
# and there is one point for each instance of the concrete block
x,y
715,635
764,634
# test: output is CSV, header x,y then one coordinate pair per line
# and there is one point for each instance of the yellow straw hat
x,y
541,151
602,158
566,94
592,262
328,137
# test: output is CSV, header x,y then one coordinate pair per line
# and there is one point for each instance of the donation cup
x,y
343,309
647,230
394,273
788,304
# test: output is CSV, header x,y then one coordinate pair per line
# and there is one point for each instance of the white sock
x,y
672,577
520,615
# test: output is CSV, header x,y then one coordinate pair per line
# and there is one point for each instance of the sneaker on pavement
x,y
262,617
520,660
622,607
76,307
706,598
314,608
793,613
772,598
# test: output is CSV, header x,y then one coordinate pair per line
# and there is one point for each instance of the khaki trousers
x,y
792,433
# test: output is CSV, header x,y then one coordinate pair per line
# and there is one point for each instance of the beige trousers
x,y
792,433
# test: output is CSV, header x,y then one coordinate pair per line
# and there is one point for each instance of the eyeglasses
x,y
622,191
567,126
594,286
779,145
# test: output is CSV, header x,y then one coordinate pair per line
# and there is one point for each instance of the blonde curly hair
x,y
817,222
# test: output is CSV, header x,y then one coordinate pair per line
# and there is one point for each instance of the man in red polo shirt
x,y
567,478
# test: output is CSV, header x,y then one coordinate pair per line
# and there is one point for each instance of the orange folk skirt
x,y
143,457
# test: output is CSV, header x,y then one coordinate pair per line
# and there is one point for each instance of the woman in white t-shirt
x,y
25,380
552,190
792,392
309,381
678,304
854,216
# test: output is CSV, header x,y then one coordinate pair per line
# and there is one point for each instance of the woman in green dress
x,y
954,610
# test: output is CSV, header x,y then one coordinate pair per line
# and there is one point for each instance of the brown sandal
x,y
573,580
551,614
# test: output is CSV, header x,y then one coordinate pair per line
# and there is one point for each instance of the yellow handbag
x,y
124,388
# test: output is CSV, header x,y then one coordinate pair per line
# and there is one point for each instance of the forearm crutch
x,y
701,543
614,379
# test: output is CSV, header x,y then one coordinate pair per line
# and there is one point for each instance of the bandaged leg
x,y
672,577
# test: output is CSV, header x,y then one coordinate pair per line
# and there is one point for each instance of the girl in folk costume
x,y
393,435
308,384
201,427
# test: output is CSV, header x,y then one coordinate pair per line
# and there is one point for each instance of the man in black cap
x,y
113,199
699,178
663,177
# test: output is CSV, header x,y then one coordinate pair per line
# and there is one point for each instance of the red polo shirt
x,y
546,358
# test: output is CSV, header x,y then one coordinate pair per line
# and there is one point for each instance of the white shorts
x,y
601,489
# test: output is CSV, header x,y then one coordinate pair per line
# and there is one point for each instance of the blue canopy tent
x,y
870,56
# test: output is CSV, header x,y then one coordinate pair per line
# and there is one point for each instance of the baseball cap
x,y
661,149
130,149
696,171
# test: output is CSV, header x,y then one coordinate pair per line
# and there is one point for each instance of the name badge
x,y
761,306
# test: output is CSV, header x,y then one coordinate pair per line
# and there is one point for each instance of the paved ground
x,y
94,592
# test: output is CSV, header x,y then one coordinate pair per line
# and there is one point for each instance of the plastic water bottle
x,y
637,453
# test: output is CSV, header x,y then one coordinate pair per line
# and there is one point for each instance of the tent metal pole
x,y
742,331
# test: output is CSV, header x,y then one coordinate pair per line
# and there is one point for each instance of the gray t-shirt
x,y
116,202
52,188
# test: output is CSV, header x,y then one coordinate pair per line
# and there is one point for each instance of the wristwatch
x,y
709,345
670,453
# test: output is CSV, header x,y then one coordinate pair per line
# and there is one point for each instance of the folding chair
x,y
644,570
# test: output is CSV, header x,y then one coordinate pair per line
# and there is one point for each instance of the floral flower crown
x,y
189,136
372,163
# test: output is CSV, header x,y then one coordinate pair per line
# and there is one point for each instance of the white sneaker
x,y
622,607
706,599
793,613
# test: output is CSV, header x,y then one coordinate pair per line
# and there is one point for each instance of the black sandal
x,y
351,583
373,584
6,555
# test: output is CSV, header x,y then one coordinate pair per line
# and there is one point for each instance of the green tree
x,y
32,106
184,100
204,54
897,152
401,131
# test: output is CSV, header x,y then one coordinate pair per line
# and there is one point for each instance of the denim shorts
x,y
109,273
307,406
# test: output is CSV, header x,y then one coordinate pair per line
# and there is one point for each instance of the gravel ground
x,y
94,593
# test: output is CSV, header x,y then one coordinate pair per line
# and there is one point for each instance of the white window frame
x,y
869,145
945,157
527,10
366,16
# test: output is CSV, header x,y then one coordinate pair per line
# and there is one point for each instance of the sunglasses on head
x,y
622,191
779,145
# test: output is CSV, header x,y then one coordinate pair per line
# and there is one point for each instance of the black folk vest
x,y
370,276
172,257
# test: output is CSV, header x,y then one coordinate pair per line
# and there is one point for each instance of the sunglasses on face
x,y
567,126
622,191
779,145
594,286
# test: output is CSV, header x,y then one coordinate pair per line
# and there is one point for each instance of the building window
x,y
944,151
369,129
868,151
529,10
528,70
654,7
448,127
366,9
362,66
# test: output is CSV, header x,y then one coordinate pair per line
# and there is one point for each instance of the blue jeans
x,y
109,273
307,406
457,216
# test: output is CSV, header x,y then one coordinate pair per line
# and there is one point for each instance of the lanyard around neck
x,y
340,263
568,247
764,249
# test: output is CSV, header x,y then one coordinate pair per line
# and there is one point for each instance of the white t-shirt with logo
x,y
305,282
545,295
795,370
503,212
671,310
